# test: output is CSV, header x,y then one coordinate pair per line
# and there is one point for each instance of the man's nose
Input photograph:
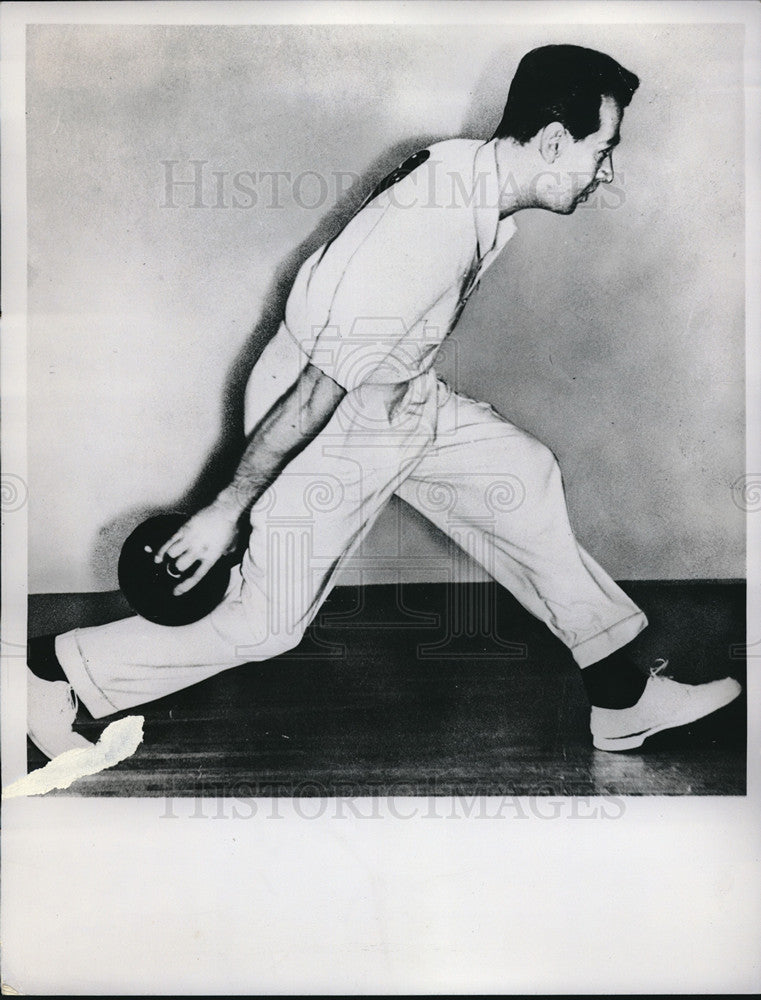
x,y
605,172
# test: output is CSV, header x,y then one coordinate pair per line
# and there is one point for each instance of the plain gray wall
x,y
615,335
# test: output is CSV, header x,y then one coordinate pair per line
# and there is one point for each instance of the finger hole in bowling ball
x,y
148,586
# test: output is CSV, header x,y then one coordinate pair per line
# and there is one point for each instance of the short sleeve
x,y
401,254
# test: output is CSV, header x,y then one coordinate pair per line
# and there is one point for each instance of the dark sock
x,y
614,682
42,660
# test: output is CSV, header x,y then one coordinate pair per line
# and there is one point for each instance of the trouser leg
x,y
498,493
302,530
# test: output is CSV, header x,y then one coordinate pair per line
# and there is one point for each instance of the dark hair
x,y
563,83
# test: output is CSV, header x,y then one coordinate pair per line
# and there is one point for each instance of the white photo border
x,y
130,896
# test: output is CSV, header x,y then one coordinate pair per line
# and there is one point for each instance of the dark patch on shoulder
x,y
402,171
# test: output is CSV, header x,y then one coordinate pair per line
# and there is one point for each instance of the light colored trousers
x,y
491,486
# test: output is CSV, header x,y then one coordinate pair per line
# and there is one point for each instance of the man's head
x,y
566,103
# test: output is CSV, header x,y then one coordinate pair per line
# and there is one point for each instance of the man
x,y
344,409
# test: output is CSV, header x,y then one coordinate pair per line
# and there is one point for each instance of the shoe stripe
x,y
629,736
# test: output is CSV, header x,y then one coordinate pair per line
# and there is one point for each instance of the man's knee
x,y
251,627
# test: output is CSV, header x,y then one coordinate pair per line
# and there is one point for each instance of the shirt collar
x,y
492,232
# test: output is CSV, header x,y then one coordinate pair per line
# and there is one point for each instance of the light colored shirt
x,y
373,305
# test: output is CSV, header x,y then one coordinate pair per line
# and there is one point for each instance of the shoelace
x,y
660,666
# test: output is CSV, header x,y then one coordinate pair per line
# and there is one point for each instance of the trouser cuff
x,y
597,647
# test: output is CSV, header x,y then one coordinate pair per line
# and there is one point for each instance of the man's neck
x,y
516,173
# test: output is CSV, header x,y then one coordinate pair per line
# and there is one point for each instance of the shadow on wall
x,y
484,112
220,464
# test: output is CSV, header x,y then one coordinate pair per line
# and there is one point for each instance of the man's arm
x,y
297,417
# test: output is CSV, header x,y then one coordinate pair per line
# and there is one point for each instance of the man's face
x,y
579,167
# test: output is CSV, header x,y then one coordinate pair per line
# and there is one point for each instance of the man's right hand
x,y
204,539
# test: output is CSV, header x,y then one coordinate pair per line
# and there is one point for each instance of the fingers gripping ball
x,y
148,586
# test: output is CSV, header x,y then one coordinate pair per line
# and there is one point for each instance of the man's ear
x,y
552,141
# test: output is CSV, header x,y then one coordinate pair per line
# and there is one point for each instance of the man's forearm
x,y
297,417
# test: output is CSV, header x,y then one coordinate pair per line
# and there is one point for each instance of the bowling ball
x,y
148,585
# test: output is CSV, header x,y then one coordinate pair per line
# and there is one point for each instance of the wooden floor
x,y
426,689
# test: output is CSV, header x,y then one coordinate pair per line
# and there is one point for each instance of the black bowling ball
x,y
148,585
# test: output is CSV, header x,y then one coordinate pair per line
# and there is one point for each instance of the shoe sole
x,y
40,745
615,744
52,754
